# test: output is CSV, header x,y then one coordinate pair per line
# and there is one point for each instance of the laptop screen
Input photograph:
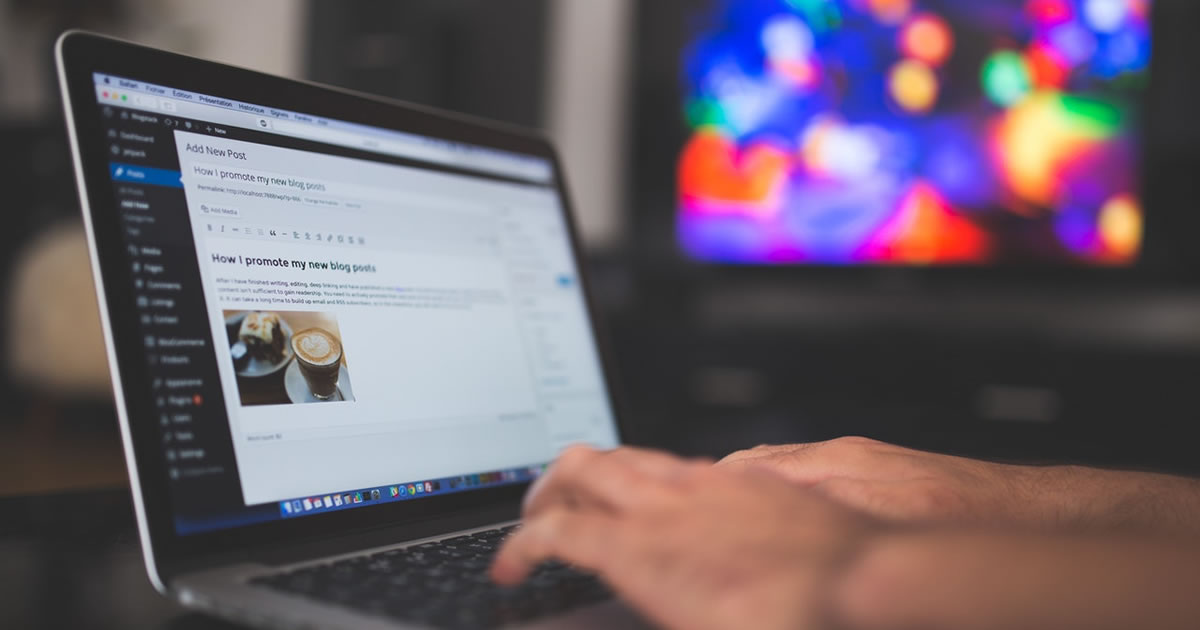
x,y
337,316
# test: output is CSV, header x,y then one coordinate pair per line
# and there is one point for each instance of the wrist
x,y
1079,498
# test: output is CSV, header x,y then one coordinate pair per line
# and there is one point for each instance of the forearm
x,y
1074,498
982,581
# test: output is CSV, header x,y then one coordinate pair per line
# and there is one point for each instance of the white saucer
x,y
298,392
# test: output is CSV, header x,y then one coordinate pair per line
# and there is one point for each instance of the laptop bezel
x,y
80,54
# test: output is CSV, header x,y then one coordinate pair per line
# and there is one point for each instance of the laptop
x,y
345,336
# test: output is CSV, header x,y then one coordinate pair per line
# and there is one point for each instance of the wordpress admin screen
x,y
328,307
455,298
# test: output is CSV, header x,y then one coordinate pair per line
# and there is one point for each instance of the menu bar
x,y
132,94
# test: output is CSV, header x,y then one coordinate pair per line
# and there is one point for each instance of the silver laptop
x,y
345,335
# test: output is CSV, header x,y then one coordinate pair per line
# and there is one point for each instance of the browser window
x,y
337,315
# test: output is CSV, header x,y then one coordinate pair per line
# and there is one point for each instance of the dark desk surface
x,y
73,561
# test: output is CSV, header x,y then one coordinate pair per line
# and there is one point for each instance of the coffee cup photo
x,y
288,357
319,355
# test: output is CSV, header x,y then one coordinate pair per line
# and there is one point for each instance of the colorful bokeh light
x,y
889,11
1006,78
913,85
927,38
916,132
1038,138
1121,228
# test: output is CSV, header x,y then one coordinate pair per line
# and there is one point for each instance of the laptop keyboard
x,y
444,584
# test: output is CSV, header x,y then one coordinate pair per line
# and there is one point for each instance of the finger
x,y
809,463
777,459
893,500
610,480
580,538
752,453
852,493
766,451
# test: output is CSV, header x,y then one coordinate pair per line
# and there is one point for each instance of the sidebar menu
x,y
172,315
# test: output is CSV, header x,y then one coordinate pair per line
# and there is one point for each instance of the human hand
x,y
905,485
687,544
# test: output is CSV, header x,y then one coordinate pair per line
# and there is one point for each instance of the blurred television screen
x,y
914,132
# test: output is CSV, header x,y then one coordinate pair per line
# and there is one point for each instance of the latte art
x,y
317,347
